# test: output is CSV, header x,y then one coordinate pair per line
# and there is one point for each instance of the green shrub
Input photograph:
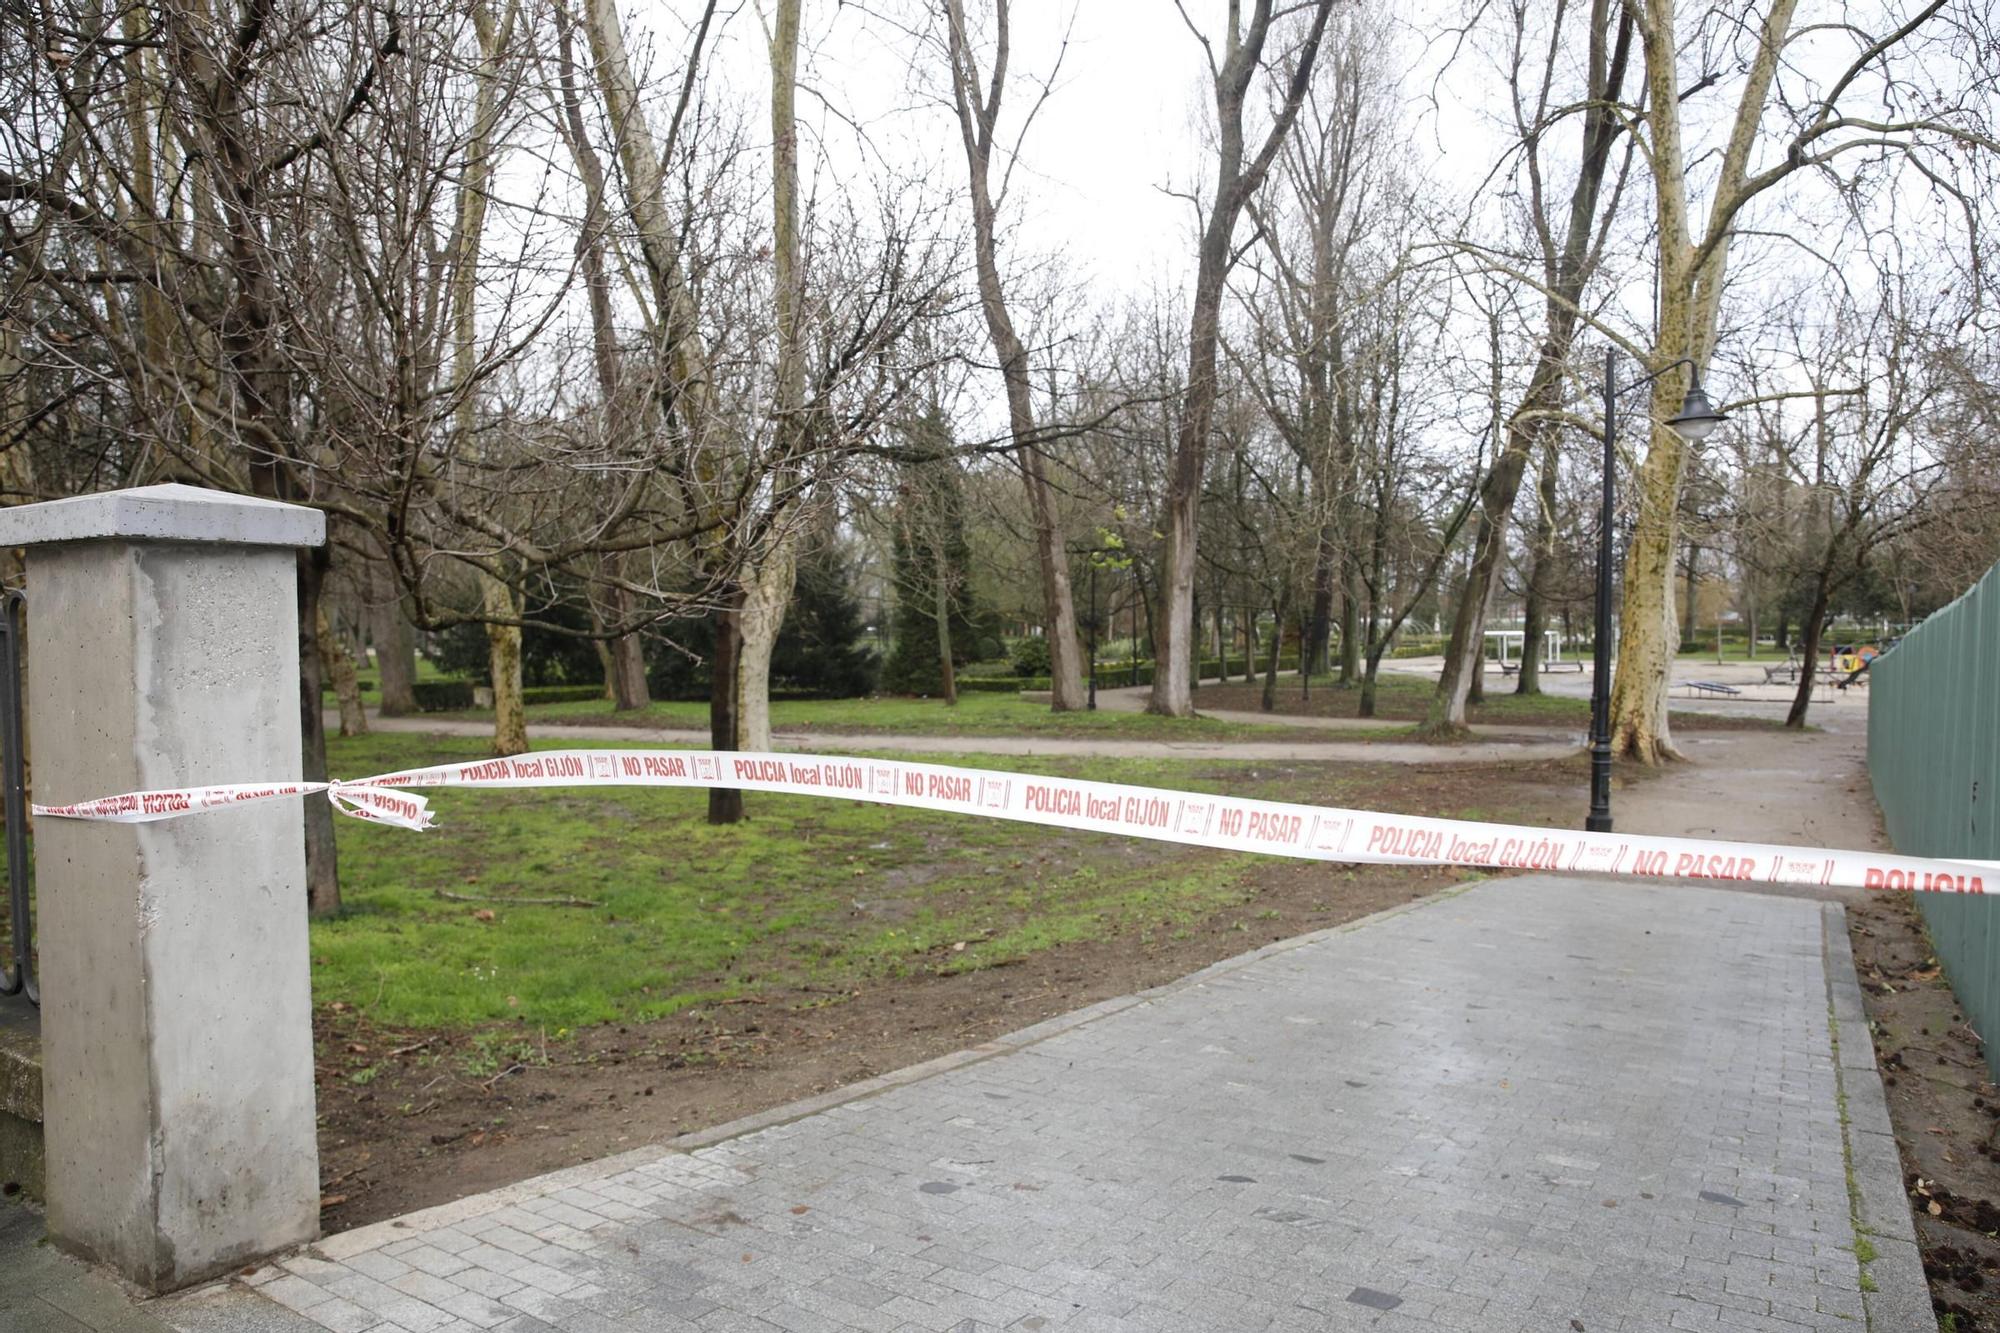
x,y
442,696
1031,657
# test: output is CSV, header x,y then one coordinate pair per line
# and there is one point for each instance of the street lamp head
x,y
1697,418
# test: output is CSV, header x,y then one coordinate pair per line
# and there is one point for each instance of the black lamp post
x,y
1696,420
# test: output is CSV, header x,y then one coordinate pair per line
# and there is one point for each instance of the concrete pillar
x,y
176,1000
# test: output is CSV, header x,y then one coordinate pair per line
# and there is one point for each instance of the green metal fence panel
x,y
1934,759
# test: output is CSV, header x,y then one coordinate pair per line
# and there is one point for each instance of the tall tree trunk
x,y
1688,620
497,598
1691,281
978,109
1540,572
941,608
1320,634
334,660
725,804
1569,268
623,657
498,603
322,862
1236,181
1350,625
1809,636
627,673
767,590
1269,703
395,644
764,583
605,664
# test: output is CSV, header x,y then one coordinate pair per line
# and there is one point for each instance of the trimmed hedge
x,y
442,696
999,684
561,694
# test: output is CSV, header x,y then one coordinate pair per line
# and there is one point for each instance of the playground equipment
x,y
1851,660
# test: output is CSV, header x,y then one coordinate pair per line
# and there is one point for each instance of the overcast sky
x,y
1122,128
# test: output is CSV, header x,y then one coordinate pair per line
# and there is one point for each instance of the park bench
x,y
1708,689
1514,668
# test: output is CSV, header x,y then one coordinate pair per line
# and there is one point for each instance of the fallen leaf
x,y
1935,1209
356,1048
483,914
798,1209
332,1200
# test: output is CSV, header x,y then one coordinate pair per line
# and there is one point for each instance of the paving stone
x,y
1538,1101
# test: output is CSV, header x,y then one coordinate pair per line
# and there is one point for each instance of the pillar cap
x,y
167,513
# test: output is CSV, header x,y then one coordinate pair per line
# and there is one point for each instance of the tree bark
x,y
941,608
498,603
627,674
1809,632
1269,702
322,862
1350,625
767,590
1319,637
1688,620
335,661
725,804
395,646
1540,572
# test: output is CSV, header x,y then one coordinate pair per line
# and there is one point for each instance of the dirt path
x,y
1807,788
1490,751
1132,699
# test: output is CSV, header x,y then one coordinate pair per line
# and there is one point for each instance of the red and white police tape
x,y
1316,833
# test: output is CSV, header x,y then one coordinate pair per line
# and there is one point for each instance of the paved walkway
x,y
1541,1104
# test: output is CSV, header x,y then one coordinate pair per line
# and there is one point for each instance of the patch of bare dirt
x,y
1945,1110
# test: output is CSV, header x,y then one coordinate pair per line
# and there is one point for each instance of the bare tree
x,y
976,102
1871,114
1238,175
1568,252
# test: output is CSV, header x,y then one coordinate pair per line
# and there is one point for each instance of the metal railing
x,y
20,977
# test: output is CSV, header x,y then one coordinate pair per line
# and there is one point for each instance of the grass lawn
x,y
973,715
809,892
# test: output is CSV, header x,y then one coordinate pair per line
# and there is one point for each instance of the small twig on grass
x,y
515,902
413,1047
510,1069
